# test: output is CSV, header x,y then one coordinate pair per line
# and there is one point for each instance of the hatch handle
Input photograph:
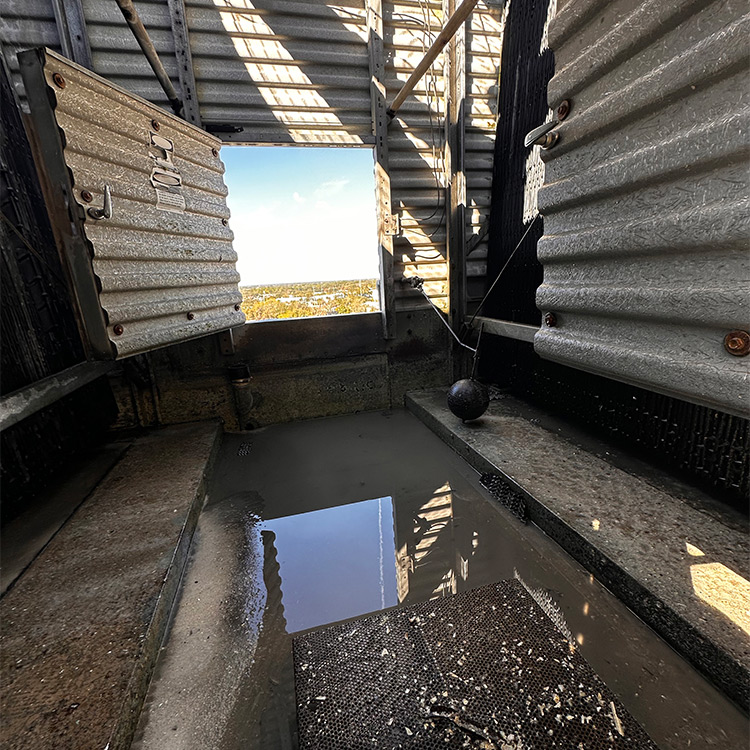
x,y
542,136
106,211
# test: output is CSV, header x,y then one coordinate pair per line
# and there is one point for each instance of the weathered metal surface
x,y
163,265
115,52
646,197
626,523
20,404
71,28
416,141
518,331
25,24
283,71
81,629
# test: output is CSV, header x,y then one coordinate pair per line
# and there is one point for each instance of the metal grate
x,y
482,669
499,488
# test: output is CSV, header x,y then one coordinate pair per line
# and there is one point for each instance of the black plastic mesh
x,y
512,499
482,669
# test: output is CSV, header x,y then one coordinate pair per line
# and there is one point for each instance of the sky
x,y
302,214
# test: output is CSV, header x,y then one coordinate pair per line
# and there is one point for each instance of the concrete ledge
x,y
81,629
677,558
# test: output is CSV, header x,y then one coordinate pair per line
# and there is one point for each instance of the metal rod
x,y
450,28
416,282
144,40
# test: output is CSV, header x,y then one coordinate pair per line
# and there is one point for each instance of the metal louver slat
x,y
282,71
646,197
416,141
161,268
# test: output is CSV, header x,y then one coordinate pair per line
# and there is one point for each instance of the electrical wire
x,y
505,265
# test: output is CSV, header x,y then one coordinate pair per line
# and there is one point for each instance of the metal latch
x,y
106,211
391,225
542,136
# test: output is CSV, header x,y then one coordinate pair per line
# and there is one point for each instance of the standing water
x,y
316,522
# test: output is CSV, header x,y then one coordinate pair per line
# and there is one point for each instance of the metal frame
x,y
382,176
455,75
24,402
506,328
190,104
71,28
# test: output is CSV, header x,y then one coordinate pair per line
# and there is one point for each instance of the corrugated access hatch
x,y
138,206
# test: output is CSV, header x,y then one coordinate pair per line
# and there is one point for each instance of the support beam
x,y
382,175
450,28
27,401
144,41
455,94
505,328
71,28
184,62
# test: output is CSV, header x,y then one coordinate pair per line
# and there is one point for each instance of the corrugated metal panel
x,y
283,71
164,263
115,54
25,24
416,141
646,197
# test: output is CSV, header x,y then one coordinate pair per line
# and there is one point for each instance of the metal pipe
x,y
144,40
454,22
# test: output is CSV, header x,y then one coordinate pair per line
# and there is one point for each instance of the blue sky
x,y
302,214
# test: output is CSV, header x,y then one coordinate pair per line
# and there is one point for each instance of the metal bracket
x,y
391,225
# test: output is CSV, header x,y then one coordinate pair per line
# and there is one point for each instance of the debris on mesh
x,y
549,607
481,670
499,488
496,393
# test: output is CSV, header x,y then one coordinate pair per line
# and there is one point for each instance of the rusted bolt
x,y
215,151
737,343
563,110
118,329
58,80
155,125
224,222
550,320
190,316
238,307
86,196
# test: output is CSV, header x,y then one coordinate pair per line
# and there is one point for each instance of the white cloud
x,y
330,188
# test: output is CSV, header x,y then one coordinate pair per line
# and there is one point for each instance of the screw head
x,y
215,151
58,80
190,316
550,320
563,110
118,329
225,222
737,343
238,307
155,125
86,196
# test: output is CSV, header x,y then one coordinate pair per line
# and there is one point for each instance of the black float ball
x,y
468,399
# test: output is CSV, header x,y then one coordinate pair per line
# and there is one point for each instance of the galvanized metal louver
x,y
157,267
645,204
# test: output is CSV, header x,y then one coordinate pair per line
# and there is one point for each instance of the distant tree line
x,y
305,299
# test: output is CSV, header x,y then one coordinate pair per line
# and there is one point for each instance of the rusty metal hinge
x,y
391,225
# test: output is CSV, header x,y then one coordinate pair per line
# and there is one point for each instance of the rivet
x,y
58,80
737,343
224,222
190,316
118,329
155,125
86,196
550,320
215,151
563,110
238,307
